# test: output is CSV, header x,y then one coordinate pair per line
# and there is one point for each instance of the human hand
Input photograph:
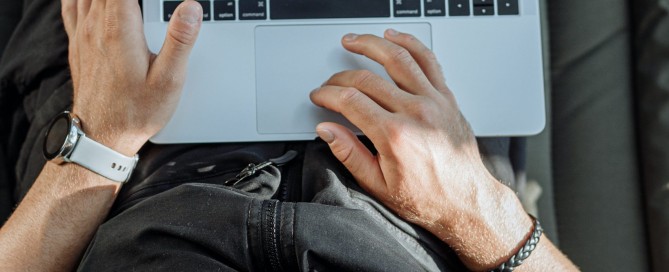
x,y
123,93
428,168
426,149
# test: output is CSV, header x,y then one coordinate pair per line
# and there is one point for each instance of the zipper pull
x,y
252,168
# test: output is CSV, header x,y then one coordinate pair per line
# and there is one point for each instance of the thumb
x,y
355,156
182,32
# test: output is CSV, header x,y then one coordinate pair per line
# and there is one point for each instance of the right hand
x,y
123,93
428,168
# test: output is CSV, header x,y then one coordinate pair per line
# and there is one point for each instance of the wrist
x,y
491,227
75,180
127,144
116,137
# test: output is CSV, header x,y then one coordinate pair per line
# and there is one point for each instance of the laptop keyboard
x,y
242,10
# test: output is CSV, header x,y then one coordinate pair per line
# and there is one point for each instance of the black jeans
x,y
177,213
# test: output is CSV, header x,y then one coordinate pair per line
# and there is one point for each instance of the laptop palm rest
x,y
293,60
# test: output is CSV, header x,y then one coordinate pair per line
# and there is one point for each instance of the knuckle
x,y
400,56
364,78
338,75
423,110
396,132
182,34
111,26
430,56
448,94
88,30
345,154
350,96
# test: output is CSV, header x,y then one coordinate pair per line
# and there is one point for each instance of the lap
x,y
38,83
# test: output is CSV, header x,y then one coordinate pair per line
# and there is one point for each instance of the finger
x,y
398,62
123,10
355,156
423,56
359,109
69,14
83,7
386,94
171,63
123,23
99,5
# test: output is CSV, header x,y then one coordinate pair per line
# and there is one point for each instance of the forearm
x,y
123,95
494,228
56,220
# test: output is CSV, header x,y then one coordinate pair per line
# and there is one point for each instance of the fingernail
x,y
190,13
350,37
326,135
392,32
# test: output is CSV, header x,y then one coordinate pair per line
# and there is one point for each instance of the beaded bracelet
x,y
525,251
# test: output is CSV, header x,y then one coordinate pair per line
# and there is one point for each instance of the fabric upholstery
x,y
539,169
594,156
651,20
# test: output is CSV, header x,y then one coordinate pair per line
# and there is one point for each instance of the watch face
x,y
56,136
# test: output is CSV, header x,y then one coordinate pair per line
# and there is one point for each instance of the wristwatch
x,y
66,142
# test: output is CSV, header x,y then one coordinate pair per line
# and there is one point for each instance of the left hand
x,y
123,93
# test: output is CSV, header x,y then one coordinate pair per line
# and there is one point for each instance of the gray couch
x,y
603,162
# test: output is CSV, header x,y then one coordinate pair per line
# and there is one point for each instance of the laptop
x,y
256,61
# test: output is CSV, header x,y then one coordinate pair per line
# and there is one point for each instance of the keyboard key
x,y
458,7
484,7
206,10
484,10
253,9
224,10
168,9
326,9
435,7
484,2
507,7
407,8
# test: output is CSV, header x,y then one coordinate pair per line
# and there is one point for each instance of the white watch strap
x,y
102,160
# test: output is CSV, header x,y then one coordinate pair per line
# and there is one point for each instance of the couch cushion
x,y
596,177
652,89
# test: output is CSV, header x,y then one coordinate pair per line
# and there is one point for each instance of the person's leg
x,y
34,75
177,213
10,13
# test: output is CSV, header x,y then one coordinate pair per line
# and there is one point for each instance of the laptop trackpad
x,y
293,60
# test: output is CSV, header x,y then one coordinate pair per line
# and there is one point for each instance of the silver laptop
x,y
256,61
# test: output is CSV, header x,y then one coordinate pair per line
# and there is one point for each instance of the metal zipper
x,y
253,168
271,233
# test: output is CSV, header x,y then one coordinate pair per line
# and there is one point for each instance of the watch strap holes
x,y
119,167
